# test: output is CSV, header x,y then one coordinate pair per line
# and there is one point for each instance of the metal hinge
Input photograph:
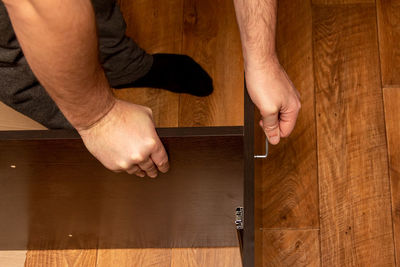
x,y
239,221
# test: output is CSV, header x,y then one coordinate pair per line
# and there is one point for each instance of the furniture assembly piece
x,y
56,195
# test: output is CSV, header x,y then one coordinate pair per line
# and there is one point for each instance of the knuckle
x,y
270,110
122,165
149,111
162,163
150,143
271,127
137,158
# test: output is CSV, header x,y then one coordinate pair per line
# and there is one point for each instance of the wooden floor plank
x,y
12,258
392,118
10,120
61,258
199,257
291,248
290,187
211,37
157,27
389,40
134,257
355,216
339,2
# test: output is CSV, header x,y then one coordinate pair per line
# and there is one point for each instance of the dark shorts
x,y
122,59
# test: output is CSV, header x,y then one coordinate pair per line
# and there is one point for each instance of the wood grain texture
x,y
134,257
157,27
392,118
55,195
211,37
12,258
199,257
355,216
61,258
290,187
11,119
341,2
389,40
291,248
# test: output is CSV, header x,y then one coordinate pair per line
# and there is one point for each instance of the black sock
x,y
176,73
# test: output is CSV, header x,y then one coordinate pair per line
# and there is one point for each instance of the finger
x,y
287,122
133,169
148,166
140,173
160,158
270,124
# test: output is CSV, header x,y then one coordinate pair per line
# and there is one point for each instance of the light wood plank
x,y
11,119
157,27
211,37
290,187
355,217
291,248
12,258
61,258
134,257
199,257
392,118
389,40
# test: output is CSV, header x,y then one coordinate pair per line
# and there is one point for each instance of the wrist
x,y
102,109
254,63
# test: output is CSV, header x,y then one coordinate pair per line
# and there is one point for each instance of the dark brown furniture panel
x,y
54,194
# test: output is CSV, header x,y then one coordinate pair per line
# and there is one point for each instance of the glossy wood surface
x,y
211,37
55,195
355,207
389,39
157,27
392,118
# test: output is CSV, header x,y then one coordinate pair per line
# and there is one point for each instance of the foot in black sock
x,y
176,73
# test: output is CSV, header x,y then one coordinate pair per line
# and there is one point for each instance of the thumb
x,y
270,125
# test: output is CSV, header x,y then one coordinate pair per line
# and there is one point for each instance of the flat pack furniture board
x,y
55,195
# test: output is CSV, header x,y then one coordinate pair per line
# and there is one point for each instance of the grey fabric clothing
x,y
122,59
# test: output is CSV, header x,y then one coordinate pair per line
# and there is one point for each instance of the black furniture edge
x,y
163,132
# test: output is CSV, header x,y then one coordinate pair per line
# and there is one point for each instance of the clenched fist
x,y
276,97
125,139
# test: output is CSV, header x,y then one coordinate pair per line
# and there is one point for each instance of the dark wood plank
x,y
55,195
211,37
290,186
157,27
392,118
389,40
355,217
340,2
291,248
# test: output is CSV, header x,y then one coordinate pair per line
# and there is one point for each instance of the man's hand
x,y
267,82
125,140
277,99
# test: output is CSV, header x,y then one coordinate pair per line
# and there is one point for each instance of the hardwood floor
x,y
330,192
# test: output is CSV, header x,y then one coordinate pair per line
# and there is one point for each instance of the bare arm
x,y
268,84
59,41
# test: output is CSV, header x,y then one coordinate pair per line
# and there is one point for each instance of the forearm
x,y
59,41
257,25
